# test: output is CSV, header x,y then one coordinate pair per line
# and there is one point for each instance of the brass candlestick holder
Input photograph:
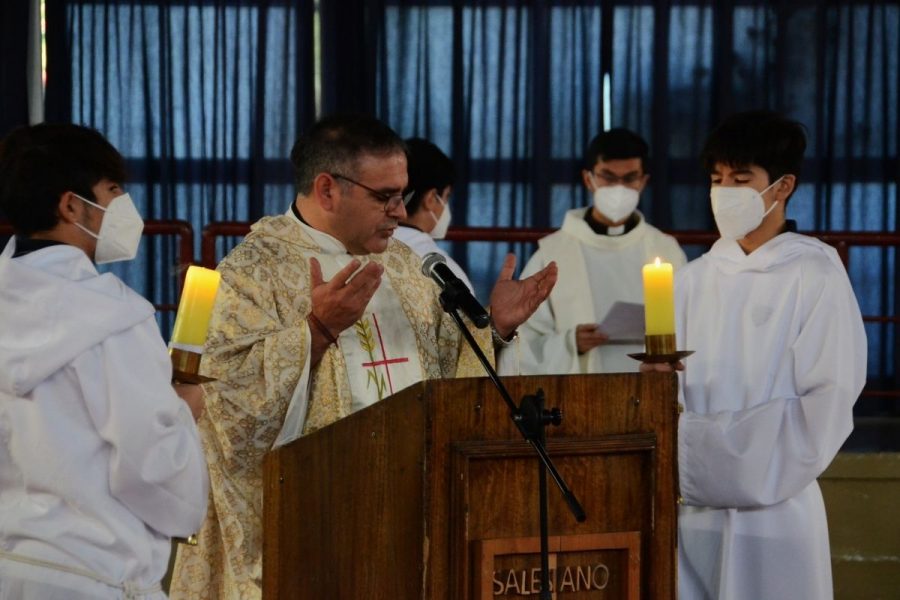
x,y
660,349
186,366
185,369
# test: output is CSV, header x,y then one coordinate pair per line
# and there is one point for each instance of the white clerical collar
x,y
575,225
328,243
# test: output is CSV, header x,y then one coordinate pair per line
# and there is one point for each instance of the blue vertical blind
x,y
512,91
206,97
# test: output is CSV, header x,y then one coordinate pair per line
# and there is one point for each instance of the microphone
x,y
454,290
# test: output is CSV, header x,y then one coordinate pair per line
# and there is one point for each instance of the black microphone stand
x,y
531,418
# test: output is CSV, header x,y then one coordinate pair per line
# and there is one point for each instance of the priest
x,y
320,313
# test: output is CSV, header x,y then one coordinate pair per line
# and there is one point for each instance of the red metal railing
x,y
185,234
841,241
212,232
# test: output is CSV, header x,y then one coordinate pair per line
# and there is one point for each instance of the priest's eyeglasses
x,y
391,201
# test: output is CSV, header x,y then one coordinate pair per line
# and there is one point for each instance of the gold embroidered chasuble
x,y
257,350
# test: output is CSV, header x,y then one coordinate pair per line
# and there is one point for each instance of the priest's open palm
x,y
513,301
340,303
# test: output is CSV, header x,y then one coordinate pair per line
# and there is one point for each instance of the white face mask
x,y
615,202
120,230
738,210
442,223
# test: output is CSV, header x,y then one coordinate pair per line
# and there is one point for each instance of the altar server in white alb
x,y
431,179
600,251
780,360
100,460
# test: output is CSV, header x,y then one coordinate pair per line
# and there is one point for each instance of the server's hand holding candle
x,y
188,338
192,323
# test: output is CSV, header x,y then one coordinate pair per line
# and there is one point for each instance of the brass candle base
x,y
660,344
660,349
185,366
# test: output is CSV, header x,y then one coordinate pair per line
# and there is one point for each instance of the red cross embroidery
x,y
386,361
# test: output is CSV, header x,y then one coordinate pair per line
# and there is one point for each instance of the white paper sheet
x,y
624,322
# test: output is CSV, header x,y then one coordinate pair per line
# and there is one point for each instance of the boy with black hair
x,y
431,179
100,461
600,251
780,360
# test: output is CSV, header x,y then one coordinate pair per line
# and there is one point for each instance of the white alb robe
x,y
780,360
422,243
100,460
595,272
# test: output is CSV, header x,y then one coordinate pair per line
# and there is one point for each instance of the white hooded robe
x,y
100,460
780,360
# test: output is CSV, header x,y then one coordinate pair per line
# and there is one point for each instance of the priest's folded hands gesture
x,y
513,301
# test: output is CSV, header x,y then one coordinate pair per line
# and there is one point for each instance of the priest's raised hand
x,y
513,301
337,304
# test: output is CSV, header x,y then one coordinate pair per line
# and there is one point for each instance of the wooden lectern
x,y
433,494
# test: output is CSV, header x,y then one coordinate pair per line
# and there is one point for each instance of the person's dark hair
x,y
616,144
335,144
39,163
429,169
760,137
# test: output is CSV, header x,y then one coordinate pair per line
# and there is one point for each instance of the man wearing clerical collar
x,y
320,313
600,250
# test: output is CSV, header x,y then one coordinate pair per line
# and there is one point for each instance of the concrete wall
x,y
862,497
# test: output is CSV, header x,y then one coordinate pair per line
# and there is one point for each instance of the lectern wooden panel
x,y
433,494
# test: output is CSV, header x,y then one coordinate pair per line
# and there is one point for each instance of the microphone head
x,y
430,260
